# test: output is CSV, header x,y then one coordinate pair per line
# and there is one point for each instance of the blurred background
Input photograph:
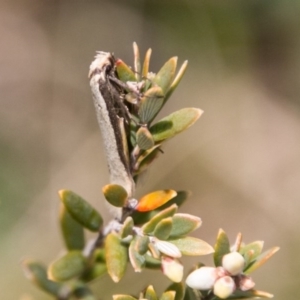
x,y
241,160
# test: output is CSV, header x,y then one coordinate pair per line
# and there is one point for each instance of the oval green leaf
x,y
192,246
169,295
146,63
126,228
152,263
68,266
84,293
192,294
251,294
251,251
137,260
124,72
37,273
146,158
178,288
144,139
222,247
116,257
175,123
165,75
150,293
176,81
163,229
97,270
123,297
261,259
81,210
183,224
141,244
168,212
150,104
115,194
72,231
137,61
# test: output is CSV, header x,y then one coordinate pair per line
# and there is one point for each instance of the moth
x,y
113,116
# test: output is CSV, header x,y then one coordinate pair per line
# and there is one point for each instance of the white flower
x,y
202,279
233,263
224,287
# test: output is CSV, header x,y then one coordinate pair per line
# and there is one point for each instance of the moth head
x,y
102,65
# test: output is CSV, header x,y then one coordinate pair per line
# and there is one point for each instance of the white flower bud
x,y
246,283
224,287
233,263
172,268
202,279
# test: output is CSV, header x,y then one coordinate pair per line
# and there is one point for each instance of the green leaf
x,y
169,295
126,228
178,288
251,294
237,243
81,210
137,260
146,63
97,270
191,294
115,194
68,266
175,123
150,293
251,251
124,72
37,273
150,104
176,81
123,297
141,244
261,259
72,231
116,257
99,255
152,263
183,224
146,158
168,212
144,139
137,61
163,229
222,247
192,246
84,293
165,75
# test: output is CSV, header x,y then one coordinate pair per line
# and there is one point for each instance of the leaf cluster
x,y
146,94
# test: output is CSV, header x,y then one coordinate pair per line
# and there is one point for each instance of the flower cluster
x,y
230,276
222,280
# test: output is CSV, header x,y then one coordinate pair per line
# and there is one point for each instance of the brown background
x,y
241,160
